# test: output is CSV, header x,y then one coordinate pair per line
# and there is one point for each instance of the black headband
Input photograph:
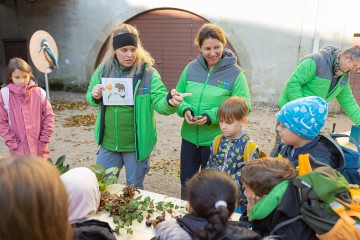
x,y
124,39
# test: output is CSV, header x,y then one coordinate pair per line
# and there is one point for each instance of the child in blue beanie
x,y
300,123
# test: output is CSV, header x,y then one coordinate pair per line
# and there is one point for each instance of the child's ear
x,y
244,120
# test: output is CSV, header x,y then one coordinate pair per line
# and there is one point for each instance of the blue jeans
x,y
135,170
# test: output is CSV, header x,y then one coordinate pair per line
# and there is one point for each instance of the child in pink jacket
x,y
27,124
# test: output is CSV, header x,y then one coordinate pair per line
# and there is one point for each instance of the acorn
x,y
149,222
155,222
160,218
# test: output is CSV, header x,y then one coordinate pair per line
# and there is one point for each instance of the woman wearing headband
x,y
212,197
126,133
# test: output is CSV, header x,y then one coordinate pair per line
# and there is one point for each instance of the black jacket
x,y
92,230
190,224
288,210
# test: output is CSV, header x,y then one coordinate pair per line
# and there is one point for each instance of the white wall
x,y
268,36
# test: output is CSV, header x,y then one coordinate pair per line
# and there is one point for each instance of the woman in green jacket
x,y
211,78
125,126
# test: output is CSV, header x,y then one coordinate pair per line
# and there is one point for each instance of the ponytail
x,y
216,226
212,195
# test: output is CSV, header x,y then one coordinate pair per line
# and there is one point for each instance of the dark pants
x,y
191,159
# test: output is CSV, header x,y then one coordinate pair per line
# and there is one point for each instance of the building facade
x,y
269,37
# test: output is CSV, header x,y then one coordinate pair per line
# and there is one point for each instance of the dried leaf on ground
x,y
65,105
80,120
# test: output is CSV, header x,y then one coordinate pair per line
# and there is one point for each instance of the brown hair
x,y
209,30
263,174
205,189
233,108
16,64
142,56
33,200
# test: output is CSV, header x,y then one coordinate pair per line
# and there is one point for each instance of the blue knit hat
x,y
304,116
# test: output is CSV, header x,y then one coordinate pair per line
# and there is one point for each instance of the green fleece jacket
x,y
313,77
209,89
149,94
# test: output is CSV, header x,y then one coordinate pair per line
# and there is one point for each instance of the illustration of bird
x,y
49,54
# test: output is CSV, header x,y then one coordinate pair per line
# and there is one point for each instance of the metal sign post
x,y
47,87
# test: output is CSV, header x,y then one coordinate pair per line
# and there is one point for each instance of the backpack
x,y
5,95
328,203
250,148
348,164
346,160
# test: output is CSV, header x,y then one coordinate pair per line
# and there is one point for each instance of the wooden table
x,y
140,230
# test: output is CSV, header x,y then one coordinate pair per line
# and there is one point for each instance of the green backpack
x,y
328,203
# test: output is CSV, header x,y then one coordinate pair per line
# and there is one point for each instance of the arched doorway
x,y
168,34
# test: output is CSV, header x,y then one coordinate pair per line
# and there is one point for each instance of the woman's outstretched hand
x,y
177,98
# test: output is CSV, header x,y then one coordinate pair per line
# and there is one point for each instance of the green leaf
x,y
50,161
117,229
60,161
140,218
129,231
138,198
112,170
128,217
99,171
116,219
128,222
97,167
111,180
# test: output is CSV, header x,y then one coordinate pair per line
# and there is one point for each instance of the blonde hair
x,y
33,200
263,174
142,56
233,108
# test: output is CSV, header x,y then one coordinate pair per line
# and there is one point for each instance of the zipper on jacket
x,y
116,110
200,100
225,156
116,130
336,86
135,122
